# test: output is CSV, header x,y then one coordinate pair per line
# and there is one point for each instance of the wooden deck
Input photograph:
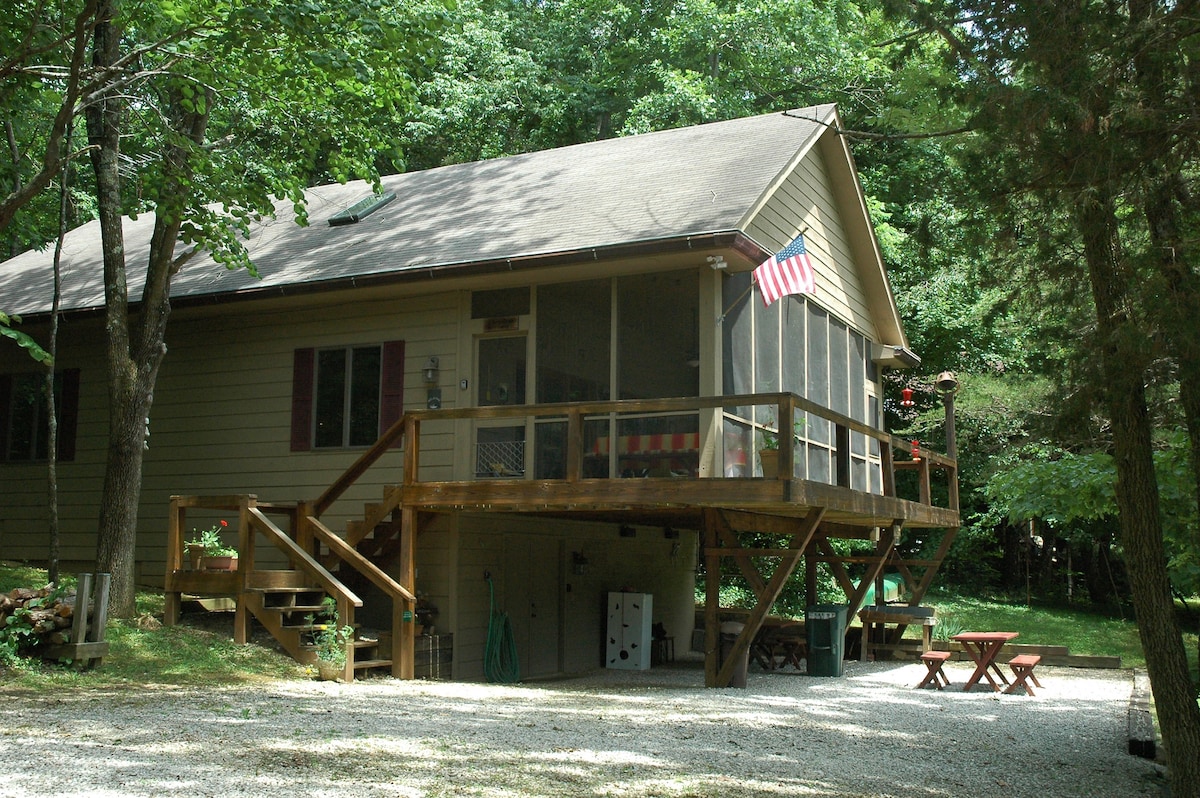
x,y
677,498
801,515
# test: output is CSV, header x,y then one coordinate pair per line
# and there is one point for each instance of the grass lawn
x,y
144,652
1084,633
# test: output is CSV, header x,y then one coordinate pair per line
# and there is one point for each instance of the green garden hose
x,y
500,654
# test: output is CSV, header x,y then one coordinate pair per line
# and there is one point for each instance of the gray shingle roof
x,y
673,183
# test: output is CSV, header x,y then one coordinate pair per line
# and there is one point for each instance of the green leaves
x,y
22,340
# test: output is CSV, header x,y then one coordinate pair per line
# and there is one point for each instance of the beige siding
x,y
24,516
805,200
221,418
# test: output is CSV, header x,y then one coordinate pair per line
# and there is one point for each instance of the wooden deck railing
x,y
922,460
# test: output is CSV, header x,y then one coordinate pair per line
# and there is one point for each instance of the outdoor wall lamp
x,y
430,372
579,563
433,394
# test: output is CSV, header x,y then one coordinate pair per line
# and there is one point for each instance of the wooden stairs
x,y
291,613
289,602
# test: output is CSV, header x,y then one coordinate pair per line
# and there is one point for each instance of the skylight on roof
x,y
361,209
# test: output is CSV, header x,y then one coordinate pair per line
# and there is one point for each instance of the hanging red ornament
x,y
916,450
907,400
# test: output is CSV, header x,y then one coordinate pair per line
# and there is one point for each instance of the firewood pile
x,y
51,622
44,616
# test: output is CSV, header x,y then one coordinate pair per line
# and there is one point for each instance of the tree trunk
x,y
1168,85
135,347
52,349
1123,350
116,531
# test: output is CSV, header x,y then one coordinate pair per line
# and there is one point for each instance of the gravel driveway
x,y
650,733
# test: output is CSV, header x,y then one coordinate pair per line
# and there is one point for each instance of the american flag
x,y
789,271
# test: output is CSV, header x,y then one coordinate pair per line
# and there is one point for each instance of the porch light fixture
x,y
946,382
670,533
947,385
627,531
430,372
717,262
579,563
906,397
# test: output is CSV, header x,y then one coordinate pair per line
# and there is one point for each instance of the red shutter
x,y
5,399
303,369
68,414
391,405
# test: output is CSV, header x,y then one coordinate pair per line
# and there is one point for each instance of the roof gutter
x,y
732,239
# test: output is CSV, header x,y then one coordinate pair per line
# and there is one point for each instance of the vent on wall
x,y
361,209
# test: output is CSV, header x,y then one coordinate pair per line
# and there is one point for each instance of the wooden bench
x,y
934,660
1022,667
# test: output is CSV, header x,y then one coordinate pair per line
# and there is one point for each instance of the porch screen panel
x,y
859,477
839,368
792,353
658,335
573,352
876,468
818,428
766,347
737,343
819,469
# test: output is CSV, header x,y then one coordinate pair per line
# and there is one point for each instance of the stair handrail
x,y
343,550
302,559
360,466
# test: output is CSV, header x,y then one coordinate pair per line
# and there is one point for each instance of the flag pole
x,y
735,302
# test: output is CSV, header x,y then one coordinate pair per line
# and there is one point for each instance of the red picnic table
x,y
984,647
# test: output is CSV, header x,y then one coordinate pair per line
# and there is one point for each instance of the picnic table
x,y
984,648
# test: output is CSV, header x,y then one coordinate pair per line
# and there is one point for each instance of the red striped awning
x,y
662,443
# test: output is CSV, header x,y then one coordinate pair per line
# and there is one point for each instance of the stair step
x,y
372,663
276,580
295,607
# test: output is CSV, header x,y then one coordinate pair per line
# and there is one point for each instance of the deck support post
x,y
245,565
805,529
710,520
172,598
404,627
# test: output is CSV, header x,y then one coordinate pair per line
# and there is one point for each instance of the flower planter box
x,y
219,563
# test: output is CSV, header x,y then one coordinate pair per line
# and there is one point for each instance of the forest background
x,y
1030,167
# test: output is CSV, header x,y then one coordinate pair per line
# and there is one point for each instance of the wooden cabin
x,y
511,386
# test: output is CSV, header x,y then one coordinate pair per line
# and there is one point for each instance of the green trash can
x,y
825,628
